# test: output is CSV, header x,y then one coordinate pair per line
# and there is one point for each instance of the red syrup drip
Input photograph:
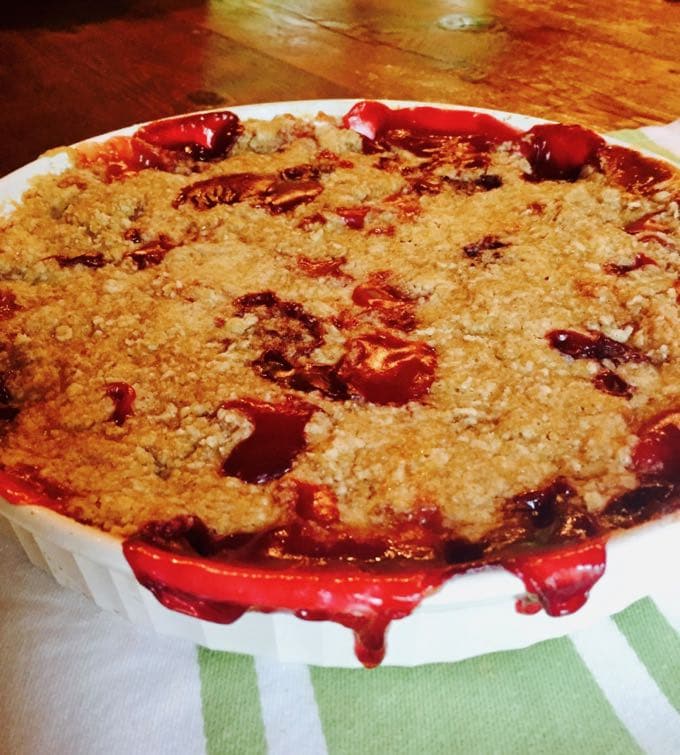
x,y
123,396
191,569
23,486
635,172
353,217
527,605
593,345
554,545
369,632
152,253
641,260
373,119
320,268
384,369
394,307
277,438
307,565
558,152
369,637
87,260
8,305
216,611
561,579
202,136
364,601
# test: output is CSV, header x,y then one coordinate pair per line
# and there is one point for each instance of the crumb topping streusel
x,y
410,326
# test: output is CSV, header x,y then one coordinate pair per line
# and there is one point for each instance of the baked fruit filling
x,y
323,365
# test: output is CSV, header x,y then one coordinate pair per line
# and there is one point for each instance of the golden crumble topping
x,y
422,327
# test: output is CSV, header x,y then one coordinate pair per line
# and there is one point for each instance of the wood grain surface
x,y
76,68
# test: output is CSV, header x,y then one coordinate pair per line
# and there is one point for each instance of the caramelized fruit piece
x,y
276,195
641,504
229,189
558,152
353,217
373,119
87,260
394,307
284,196
200,136
641,260
384,369
123,156
593,345
277,438
488,243
609,382
309,221
657,453
123,396
152,253
325,266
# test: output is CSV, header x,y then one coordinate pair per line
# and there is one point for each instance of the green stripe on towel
x,y
538,700
656,643
232,715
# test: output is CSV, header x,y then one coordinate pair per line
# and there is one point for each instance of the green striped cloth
x,y
612,689
79,681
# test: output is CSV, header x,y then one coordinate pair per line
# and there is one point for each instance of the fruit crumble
x,y
405,337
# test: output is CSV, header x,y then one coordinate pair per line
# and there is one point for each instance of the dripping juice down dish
x,y
314,370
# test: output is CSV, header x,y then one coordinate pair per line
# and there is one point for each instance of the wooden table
x,y
77,68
